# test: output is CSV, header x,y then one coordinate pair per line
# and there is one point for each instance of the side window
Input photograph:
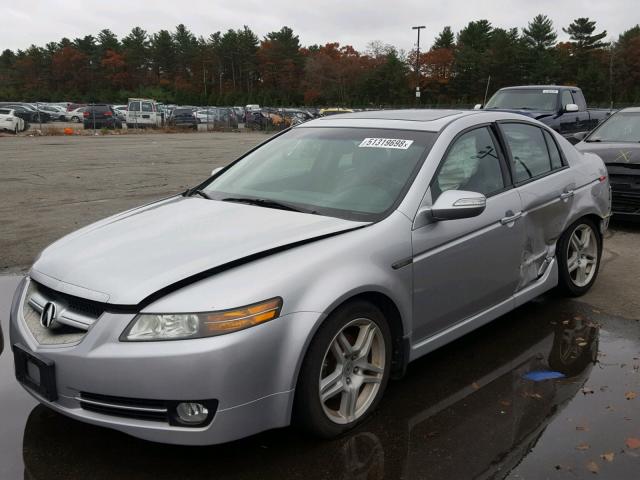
x,y
566,98
146,107
528,150
554,153
472,164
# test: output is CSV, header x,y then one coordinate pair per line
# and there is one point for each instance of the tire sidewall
x,y
308,411
565,282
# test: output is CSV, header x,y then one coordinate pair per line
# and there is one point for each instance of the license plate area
x,y
35,372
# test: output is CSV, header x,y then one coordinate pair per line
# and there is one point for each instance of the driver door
x,y
463,267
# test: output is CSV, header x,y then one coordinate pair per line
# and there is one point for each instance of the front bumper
x,y
251,374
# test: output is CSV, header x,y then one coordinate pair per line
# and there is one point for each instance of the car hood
x,y
613,153
126,258
528,113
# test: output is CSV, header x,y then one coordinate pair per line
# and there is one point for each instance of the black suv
x,y
183,117
100,116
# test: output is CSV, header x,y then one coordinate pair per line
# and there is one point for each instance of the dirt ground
x,y
50,186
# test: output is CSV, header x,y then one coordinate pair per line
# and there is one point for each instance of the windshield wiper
x,y
198,192
263,202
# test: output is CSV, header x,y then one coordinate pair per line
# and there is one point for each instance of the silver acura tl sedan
x,y
291,285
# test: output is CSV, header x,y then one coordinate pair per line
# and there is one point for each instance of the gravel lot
x,y
53,185
462,412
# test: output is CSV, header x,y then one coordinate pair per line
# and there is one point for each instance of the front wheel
x,y
345,371
579,255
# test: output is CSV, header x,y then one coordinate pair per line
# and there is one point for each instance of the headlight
x,y
179,326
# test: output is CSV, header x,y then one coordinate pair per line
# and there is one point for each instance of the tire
x,y
75,119
353,386
579,263
16,129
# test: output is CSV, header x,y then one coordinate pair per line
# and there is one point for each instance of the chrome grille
x,y
74,316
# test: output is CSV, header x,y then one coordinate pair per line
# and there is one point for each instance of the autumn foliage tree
x,y
236,67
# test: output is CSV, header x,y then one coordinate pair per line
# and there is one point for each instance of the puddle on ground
x,y
465,411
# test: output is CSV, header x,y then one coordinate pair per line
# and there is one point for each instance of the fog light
x,y
192,412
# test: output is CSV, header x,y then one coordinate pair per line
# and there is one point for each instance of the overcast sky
x,y
355,22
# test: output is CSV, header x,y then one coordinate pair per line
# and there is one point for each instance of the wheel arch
x,y
388,307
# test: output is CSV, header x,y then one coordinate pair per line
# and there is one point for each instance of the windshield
x,y
621,127
350,173
526,99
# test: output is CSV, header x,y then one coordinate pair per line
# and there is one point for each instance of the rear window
x,y
183,111
525,99
529,151
4,111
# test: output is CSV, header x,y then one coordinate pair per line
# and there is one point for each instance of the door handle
x,y
567,195
510,218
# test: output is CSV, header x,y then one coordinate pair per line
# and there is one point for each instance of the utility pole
x,y
418,28
611,52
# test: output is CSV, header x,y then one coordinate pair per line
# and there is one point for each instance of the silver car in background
x,y
295,282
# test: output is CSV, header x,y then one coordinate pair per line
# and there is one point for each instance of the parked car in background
x,y
100,116
560,107
40,114
183,117
121,111
76,115
144,113
10,122
617,142
206,115
55,112
291,285
240,114
20,111
73,106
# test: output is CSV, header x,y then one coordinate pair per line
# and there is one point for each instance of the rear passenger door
x,y
463,267
546,187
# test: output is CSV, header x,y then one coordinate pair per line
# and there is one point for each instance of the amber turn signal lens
x,y
240,318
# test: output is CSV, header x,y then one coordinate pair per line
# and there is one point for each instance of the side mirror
x,y
477,106
452,205
580,136
571,107
216,170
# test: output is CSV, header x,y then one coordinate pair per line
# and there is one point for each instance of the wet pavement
x,y
465,411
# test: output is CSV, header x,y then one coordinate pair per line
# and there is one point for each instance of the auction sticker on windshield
x,y
386,143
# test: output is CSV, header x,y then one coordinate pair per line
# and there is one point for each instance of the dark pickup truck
x,y
562,108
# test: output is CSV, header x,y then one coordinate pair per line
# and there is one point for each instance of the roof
x,y
537,87
414,119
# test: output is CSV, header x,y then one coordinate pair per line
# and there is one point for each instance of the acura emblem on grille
x,y
48,315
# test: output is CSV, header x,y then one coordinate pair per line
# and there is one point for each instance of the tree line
x,y
237,67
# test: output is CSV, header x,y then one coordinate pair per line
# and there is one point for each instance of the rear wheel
x,y
579,254
345,371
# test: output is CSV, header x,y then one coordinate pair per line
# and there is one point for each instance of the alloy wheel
x,y
352,371
582,255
